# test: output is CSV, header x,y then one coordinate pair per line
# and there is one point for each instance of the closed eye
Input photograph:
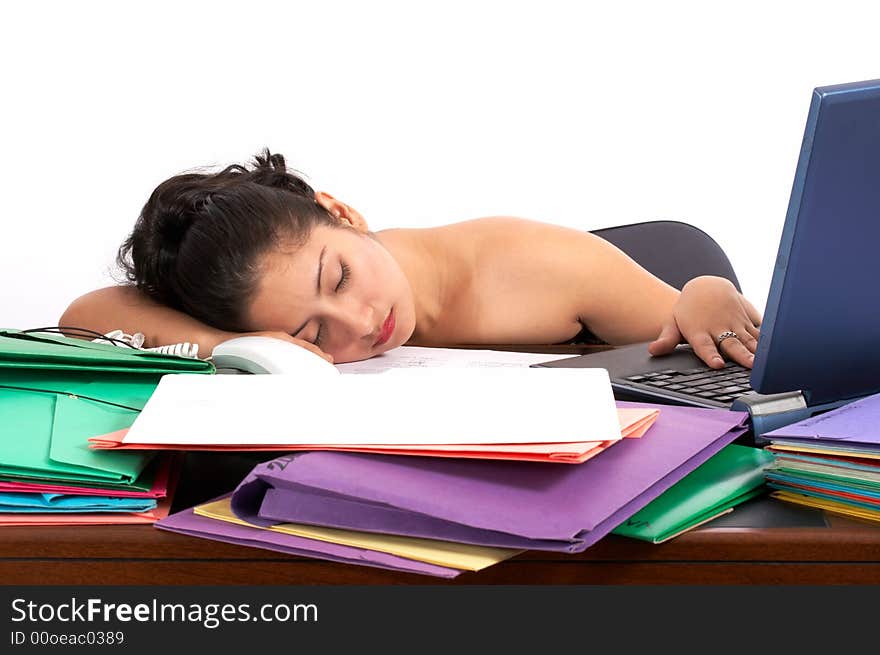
x,y
345,275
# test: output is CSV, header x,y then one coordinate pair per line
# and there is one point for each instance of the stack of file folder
x,y
441,516
830,461
56,392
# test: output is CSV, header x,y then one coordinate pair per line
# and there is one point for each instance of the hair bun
x,y
154,246
265,160
176,207
271,170
193,220
172,220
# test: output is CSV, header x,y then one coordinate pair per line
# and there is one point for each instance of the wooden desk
x,y
842,552
800,546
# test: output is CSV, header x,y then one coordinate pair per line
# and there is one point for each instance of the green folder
x,y
45,351
143,482
732,476
56,392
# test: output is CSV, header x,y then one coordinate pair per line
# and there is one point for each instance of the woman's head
x,y
241,250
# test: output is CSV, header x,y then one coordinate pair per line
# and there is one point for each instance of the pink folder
x,y
634,422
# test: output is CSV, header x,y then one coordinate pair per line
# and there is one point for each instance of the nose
x,y
358,321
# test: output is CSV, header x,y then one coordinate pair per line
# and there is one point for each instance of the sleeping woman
x,y
255,250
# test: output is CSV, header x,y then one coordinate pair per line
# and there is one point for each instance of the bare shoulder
x,y
516,248
505,235
504,226
535,280
516,276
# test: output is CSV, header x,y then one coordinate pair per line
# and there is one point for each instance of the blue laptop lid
x,y
821,329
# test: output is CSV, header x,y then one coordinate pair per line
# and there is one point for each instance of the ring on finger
x,y
727,334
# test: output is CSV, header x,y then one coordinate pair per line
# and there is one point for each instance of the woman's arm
x,y
130,310
540,270
621,302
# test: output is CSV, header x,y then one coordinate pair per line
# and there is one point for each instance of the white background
x,y
416,115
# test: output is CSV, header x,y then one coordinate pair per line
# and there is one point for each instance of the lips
x,y
387,329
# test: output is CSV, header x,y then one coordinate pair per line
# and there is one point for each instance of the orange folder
x,y
634,422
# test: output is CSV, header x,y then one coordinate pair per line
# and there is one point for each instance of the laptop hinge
x,y
771,411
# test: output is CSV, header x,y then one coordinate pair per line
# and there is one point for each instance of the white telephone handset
x,y
253,354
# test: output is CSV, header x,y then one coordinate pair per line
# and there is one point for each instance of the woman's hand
x,y
707,307
284,337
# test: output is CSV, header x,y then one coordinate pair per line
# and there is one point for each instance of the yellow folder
x,y
433,551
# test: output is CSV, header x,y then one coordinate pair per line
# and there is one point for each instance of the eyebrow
x,y
320,268
317,285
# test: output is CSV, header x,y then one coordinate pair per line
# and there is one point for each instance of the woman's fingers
x,y
738,351
669,338
751,330
705,348
748,339
707,308
753,314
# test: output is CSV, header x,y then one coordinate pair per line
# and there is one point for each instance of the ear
x,y
341,211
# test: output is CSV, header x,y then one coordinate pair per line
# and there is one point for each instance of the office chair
x,y
673,251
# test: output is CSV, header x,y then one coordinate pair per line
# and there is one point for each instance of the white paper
x,y
405,406
420,357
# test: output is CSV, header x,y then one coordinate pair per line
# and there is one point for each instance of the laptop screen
x,y
821,330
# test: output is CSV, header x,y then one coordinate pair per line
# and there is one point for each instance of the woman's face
x,y
341,290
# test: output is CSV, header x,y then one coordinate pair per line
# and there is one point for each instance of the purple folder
x,y
853,425
529,505
189,523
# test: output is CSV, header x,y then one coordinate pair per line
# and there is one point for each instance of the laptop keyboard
x,y
721,384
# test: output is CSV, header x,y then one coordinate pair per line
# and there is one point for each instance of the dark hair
x,y
197,243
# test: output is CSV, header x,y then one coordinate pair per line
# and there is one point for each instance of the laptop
x,y
820,338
